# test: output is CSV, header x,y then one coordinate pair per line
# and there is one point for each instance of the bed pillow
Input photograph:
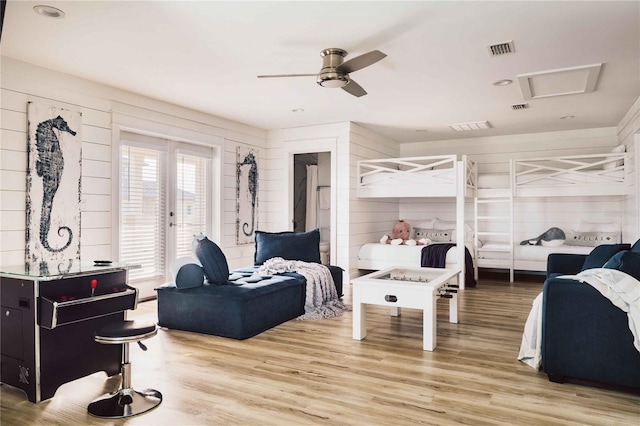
x,y
585,226
213,261
625,261
445,224
601,254
435,235
304,246
592,239
613,164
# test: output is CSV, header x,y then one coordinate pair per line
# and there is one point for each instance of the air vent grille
x,y
519,106
501,48
476,125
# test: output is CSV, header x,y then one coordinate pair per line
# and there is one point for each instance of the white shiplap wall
x,y
22,82
629,134
354,221
532,216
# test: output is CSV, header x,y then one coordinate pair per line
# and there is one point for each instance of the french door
x,y
165,199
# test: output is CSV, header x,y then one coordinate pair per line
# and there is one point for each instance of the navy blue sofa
x,y
241,308
584,336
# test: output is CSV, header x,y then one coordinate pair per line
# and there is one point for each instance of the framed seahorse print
x,y
246,195
54,173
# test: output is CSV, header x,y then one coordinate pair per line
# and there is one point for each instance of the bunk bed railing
x,y
443,167
592,169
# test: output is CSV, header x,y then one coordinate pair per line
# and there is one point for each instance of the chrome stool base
x,y
125,403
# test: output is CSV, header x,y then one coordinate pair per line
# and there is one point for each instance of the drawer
x,y
389,295
54,313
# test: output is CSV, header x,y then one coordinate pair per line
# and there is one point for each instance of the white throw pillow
x,y
585,226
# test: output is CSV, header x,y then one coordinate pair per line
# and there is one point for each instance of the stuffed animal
x,y
400,234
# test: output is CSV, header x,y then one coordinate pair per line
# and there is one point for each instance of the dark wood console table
x,y
48,318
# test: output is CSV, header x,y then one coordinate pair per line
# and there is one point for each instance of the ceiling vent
x,y
519,106
476,125
501,48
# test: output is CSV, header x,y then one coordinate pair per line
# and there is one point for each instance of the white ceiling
x,y
206,56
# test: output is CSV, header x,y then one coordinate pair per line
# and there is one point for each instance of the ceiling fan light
x,y
333,80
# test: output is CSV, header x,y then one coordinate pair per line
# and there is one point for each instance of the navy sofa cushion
x,y
599,255
304,246
636,247
235,311
625,261
213,261
189,276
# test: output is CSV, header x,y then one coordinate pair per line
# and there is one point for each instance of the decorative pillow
x,y
435,235
187,273
636,247
304,246
625,261
189,276
443,224
601,254
592,239
613,164
213,261
585,226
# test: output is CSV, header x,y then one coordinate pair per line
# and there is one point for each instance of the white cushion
x,y
585,226
613,164
444,224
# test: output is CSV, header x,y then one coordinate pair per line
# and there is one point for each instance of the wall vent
x,y
519,106
501,48
476,125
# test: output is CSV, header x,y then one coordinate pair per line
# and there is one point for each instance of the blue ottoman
x,y
228,310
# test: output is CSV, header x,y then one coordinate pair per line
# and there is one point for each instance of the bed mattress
x,y
375,256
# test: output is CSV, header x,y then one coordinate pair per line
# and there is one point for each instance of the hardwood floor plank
x,y
313,372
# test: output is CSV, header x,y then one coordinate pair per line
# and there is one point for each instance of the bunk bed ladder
x,y
494,228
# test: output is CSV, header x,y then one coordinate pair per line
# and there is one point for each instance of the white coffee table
x,y
417,288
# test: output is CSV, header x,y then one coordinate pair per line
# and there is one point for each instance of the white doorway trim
x,y
307,146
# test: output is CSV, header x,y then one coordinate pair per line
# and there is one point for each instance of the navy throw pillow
x,y
599,255
636,247
189,276
625,261
213,261
304,246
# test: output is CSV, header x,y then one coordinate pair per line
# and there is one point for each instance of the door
x,y
165,199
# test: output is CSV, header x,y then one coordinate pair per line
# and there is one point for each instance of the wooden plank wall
x,y
22,82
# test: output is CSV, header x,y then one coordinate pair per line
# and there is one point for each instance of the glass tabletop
x,y
53,270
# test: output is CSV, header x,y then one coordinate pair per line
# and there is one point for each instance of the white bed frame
x,y
575,175
405,178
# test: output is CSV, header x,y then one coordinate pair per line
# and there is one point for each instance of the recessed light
x,y
567,117
297,110
48,11
504,82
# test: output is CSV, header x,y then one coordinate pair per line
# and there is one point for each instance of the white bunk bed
x,y
446,176
604,174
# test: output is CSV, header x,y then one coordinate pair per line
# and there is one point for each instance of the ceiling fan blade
x,y
361,61
354,88
287,75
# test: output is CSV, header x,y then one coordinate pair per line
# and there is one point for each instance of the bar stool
x,y
126,401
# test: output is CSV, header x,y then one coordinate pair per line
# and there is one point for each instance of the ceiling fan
x,y
335,72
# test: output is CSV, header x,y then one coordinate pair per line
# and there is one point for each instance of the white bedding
x,y
530,253
376,256
431,177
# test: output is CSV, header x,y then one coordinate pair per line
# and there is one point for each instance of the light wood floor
x,y
313,372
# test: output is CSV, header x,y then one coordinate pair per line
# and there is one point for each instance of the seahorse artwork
x,y
53,200
246,196
49,167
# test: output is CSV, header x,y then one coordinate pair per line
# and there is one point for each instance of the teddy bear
x,y
400,234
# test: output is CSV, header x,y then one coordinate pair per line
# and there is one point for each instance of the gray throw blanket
x,y
548,235
322,298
